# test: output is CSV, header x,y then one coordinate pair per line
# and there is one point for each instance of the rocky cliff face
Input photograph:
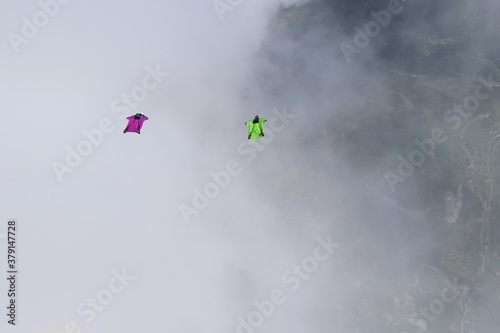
x,y
399,106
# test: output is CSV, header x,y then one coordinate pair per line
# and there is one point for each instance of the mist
x,y
369,206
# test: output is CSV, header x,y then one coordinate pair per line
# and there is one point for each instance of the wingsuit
x,y
256,128
135,123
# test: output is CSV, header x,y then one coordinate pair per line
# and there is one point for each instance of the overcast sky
x,y
113,233
118,207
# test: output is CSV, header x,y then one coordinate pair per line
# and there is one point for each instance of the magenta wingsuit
x,y
135,123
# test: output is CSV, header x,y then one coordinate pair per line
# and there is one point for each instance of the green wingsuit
x,y
256,128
